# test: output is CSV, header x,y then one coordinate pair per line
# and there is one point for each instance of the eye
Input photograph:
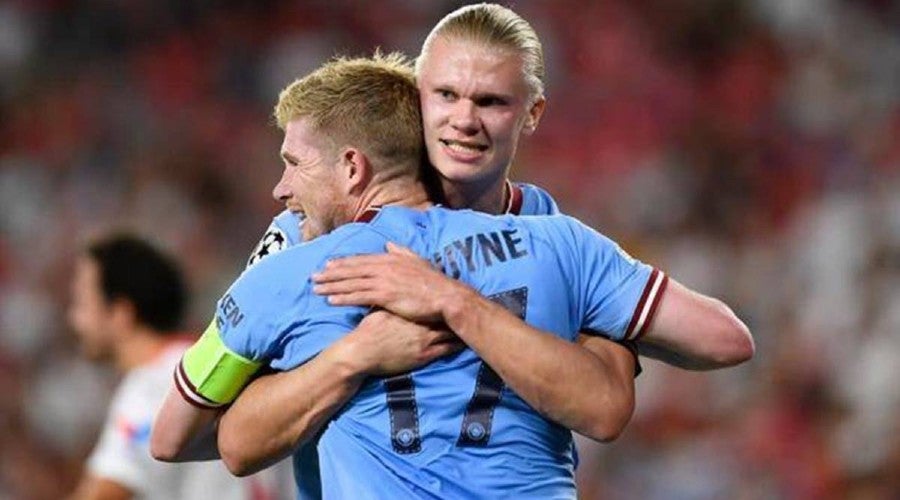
x,y
489,101
446,95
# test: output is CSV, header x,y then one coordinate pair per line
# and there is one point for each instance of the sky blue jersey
x,y
284,231
450,429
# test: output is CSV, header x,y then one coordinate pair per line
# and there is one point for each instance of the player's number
x,y
479,416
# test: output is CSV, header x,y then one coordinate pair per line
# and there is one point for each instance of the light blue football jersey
x,y
285,232
450,429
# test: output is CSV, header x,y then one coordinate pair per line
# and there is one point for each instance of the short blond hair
x,y
367,102
496,26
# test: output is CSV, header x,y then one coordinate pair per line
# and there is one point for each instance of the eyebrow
x,y
289,157
477,96
493,95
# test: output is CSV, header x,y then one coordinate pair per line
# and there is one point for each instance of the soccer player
x,y
480,76
451,430
127,300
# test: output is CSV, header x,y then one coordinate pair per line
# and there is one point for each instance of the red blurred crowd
x,y
750,148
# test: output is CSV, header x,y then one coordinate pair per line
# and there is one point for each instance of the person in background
x,y
127,302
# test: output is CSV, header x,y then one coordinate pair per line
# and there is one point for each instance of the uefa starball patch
x,y
273,241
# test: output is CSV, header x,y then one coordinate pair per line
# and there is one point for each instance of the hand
x,y
399,281
385,344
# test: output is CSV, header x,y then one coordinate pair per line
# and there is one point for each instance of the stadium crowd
x,y
752,148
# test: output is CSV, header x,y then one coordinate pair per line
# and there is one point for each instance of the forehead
x,y
300,138
458,62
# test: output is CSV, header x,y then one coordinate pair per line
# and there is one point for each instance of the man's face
x,y
310,181
475,104
89,313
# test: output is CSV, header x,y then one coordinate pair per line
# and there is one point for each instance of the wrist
x,y
348,359
456,304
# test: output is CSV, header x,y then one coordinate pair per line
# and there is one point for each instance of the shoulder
x,y
293,266
536,200
282,233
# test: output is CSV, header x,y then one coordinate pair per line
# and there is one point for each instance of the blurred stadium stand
x,y
751,148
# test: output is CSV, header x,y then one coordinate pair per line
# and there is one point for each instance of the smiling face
x,y
475,105
311,182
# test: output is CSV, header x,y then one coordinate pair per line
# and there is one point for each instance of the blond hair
x,y
368,102
496,26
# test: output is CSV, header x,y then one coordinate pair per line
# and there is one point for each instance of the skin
x,y
108,332
475,107
527,359
309,178
89,316
476,104
307,397
98,488
307,159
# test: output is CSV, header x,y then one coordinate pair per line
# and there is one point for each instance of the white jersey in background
x,y
122,454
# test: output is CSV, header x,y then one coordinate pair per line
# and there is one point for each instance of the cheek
x,y
84,320
507,127
433,113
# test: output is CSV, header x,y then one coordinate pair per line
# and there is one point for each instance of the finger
x,y
443,349
344,273
396,249
443,336
358,260
344,286
355,299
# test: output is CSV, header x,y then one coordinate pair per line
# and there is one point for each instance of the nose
x,y
465,117
282,190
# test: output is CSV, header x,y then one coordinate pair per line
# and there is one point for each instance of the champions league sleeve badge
x,y
273,241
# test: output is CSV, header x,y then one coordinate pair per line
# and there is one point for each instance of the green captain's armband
x,y
215,372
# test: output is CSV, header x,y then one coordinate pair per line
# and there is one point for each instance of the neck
x,y
490,198
140,347
403,191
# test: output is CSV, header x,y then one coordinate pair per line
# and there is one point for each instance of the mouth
x,y
464,147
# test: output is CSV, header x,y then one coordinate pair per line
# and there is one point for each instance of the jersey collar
x,y
368,215
514,205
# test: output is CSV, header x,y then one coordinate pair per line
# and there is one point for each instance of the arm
x,y
533,362
696,332
183,432
92,487
530,361
277,413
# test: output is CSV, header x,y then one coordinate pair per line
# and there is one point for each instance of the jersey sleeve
x,y
619,294
282,233
269,317
248,330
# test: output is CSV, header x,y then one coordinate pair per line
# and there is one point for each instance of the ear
x,y
534,115
123,315
357,171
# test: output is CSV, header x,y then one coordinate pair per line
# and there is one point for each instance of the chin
x,y
95,354
461,173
